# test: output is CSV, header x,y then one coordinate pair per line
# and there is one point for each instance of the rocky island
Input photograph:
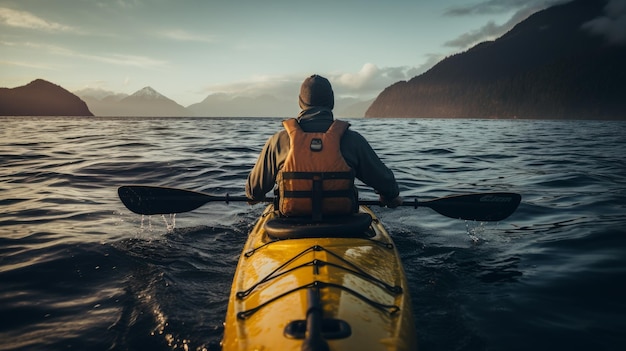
x,y
41,98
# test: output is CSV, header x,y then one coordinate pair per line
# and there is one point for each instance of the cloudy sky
x,y
188,49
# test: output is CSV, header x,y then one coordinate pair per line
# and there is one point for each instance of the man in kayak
x,y
311,173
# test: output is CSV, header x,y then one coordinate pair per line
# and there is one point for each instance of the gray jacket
x,y
355,150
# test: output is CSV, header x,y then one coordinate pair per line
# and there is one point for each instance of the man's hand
x,y
393,203
254,202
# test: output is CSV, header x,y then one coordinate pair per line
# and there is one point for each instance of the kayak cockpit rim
x,y
353,226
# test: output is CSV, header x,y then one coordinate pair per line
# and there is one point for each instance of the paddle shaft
x,y
227,199
150,200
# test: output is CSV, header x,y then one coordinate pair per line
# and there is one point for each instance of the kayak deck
x,y
344,288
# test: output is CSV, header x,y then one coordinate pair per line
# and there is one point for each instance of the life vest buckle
x,y
316,145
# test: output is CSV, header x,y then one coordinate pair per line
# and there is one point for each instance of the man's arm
x,y
368,166
262,178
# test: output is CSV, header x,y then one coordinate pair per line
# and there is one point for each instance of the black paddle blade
x,y
487,207
151,200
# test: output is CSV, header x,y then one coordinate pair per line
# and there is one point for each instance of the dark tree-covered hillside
x,y
550,65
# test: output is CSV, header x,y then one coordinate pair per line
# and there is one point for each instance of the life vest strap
x,y
317,198
324,194
318,175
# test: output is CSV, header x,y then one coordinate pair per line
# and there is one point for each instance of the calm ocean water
x,y
79,271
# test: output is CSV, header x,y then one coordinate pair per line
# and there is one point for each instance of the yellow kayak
x,y
337,285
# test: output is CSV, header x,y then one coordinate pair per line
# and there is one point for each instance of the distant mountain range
x,y
41,98
144,102
148,102
560,63
224,105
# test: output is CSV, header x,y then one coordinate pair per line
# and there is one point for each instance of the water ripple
x,y
79,270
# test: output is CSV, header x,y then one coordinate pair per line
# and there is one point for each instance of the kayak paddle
x,y
484,207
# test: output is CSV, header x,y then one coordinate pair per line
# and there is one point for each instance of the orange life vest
x,y
315,179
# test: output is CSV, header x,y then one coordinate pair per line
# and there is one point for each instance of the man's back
x,y
317,100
